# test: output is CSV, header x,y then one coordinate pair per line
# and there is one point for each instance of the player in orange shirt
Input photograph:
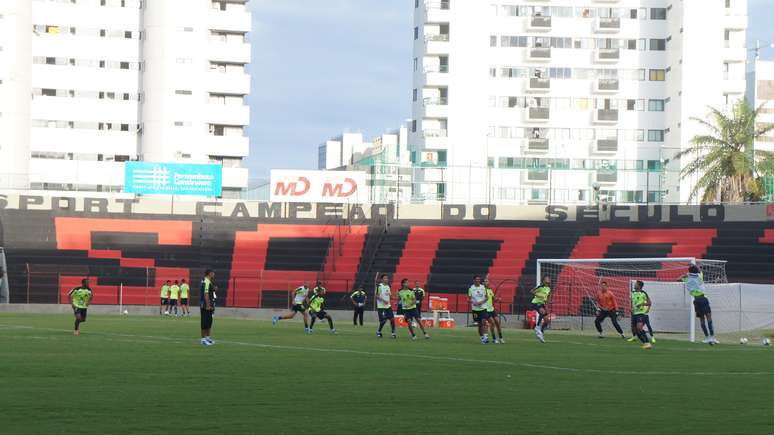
x,y
608,307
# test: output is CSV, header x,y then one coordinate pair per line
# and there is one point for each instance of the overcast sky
x,y
321,67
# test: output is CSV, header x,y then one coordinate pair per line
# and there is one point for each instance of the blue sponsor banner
x,y
173,179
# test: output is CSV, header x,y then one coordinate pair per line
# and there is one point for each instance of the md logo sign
x,y
318,186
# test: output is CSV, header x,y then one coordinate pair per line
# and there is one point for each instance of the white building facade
x,y
761,94
86,85
385,159
535,101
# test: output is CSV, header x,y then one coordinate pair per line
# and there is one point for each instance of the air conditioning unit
x,y
605,146
536,176
604,176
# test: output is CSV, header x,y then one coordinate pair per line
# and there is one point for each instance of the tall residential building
x,y
569,101
761,93
86,85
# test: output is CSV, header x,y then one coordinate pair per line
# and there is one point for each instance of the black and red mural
x,y
258,260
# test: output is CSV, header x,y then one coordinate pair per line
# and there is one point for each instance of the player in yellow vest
x,y
185,290
640,309
540,297
164,298
494,318
174,297
409,302
80,298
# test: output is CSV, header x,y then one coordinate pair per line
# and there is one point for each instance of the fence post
x,y
147,284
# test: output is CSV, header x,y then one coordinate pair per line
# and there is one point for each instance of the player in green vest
x,y
640,308
317,311
300,302
494,318
164,298
540,297
185,289
409,302
174,297
80,298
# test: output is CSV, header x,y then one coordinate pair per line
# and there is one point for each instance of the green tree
x,y
729,168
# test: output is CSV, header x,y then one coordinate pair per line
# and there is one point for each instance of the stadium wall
x,y
262,250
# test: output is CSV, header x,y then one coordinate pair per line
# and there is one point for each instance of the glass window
x,y
656,105
658,13
655,135
657,75
658,44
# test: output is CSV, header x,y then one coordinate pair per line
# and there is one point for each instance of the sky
x,y
323,67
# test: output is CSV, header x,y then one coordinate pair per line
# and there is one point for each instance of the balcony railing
x,y
442,37
540,53
607,177
539,113
538,144
607,115
540,23
608,54
608,85
607,146
434,133
537,175
436,101
443,5
609,24
443,69
539,84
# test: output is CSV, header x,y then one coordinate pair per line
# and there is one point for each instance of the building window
x,y
657,75
656,105
442,157
658,44
413,125
415,95
655,135
416,64
658,13
183,92
416,33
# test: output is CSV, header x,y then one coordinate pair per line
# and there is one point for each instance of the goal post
x,y
576,282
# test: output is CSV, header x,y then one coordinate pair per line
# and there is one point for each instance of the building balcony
x,y
734,86
539,24
437,75
437,44
536,145
226,114
607,85
436,107
607,25
434,133
538,85
607,55
535,176
735,54
735,20
232,21
237,52
605,146
437,11
228,83
606,176
605,1
539,54
538,114
229,146
606,116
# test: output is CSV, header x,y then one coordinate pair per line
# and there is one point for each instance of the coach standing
x,y
207,306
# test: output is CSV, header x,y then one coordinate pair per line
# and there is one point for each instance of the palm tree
x,y
728,166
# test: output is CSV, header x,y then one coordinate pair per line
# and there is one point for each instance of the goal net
x,y
576,283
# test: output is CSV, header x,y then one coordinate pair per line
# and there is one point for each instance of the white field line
x,y
157,339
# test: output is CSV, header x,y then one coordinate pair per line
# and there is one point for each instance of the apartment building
x,y
86,85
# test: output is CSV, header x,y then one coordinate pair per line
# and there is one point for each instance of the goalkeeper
x,y
694,283
608,307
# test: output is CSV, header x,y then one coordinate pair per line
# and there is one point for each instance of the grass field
x,y
151,375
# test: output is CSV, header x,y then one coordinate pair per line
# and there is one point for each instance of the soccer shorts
x,y
411,313
164,301
173,302
639,318
184,301
385,314
400,309
297,308
320,314
702,306
538,307
80,312
206,319
479,316
492,314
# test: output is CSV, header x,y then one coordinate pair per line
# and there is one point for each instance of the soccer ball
x,y
126,312
743,340
765,342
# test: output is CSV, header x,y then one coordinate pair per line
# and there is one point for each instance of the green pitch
x,y
142,375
